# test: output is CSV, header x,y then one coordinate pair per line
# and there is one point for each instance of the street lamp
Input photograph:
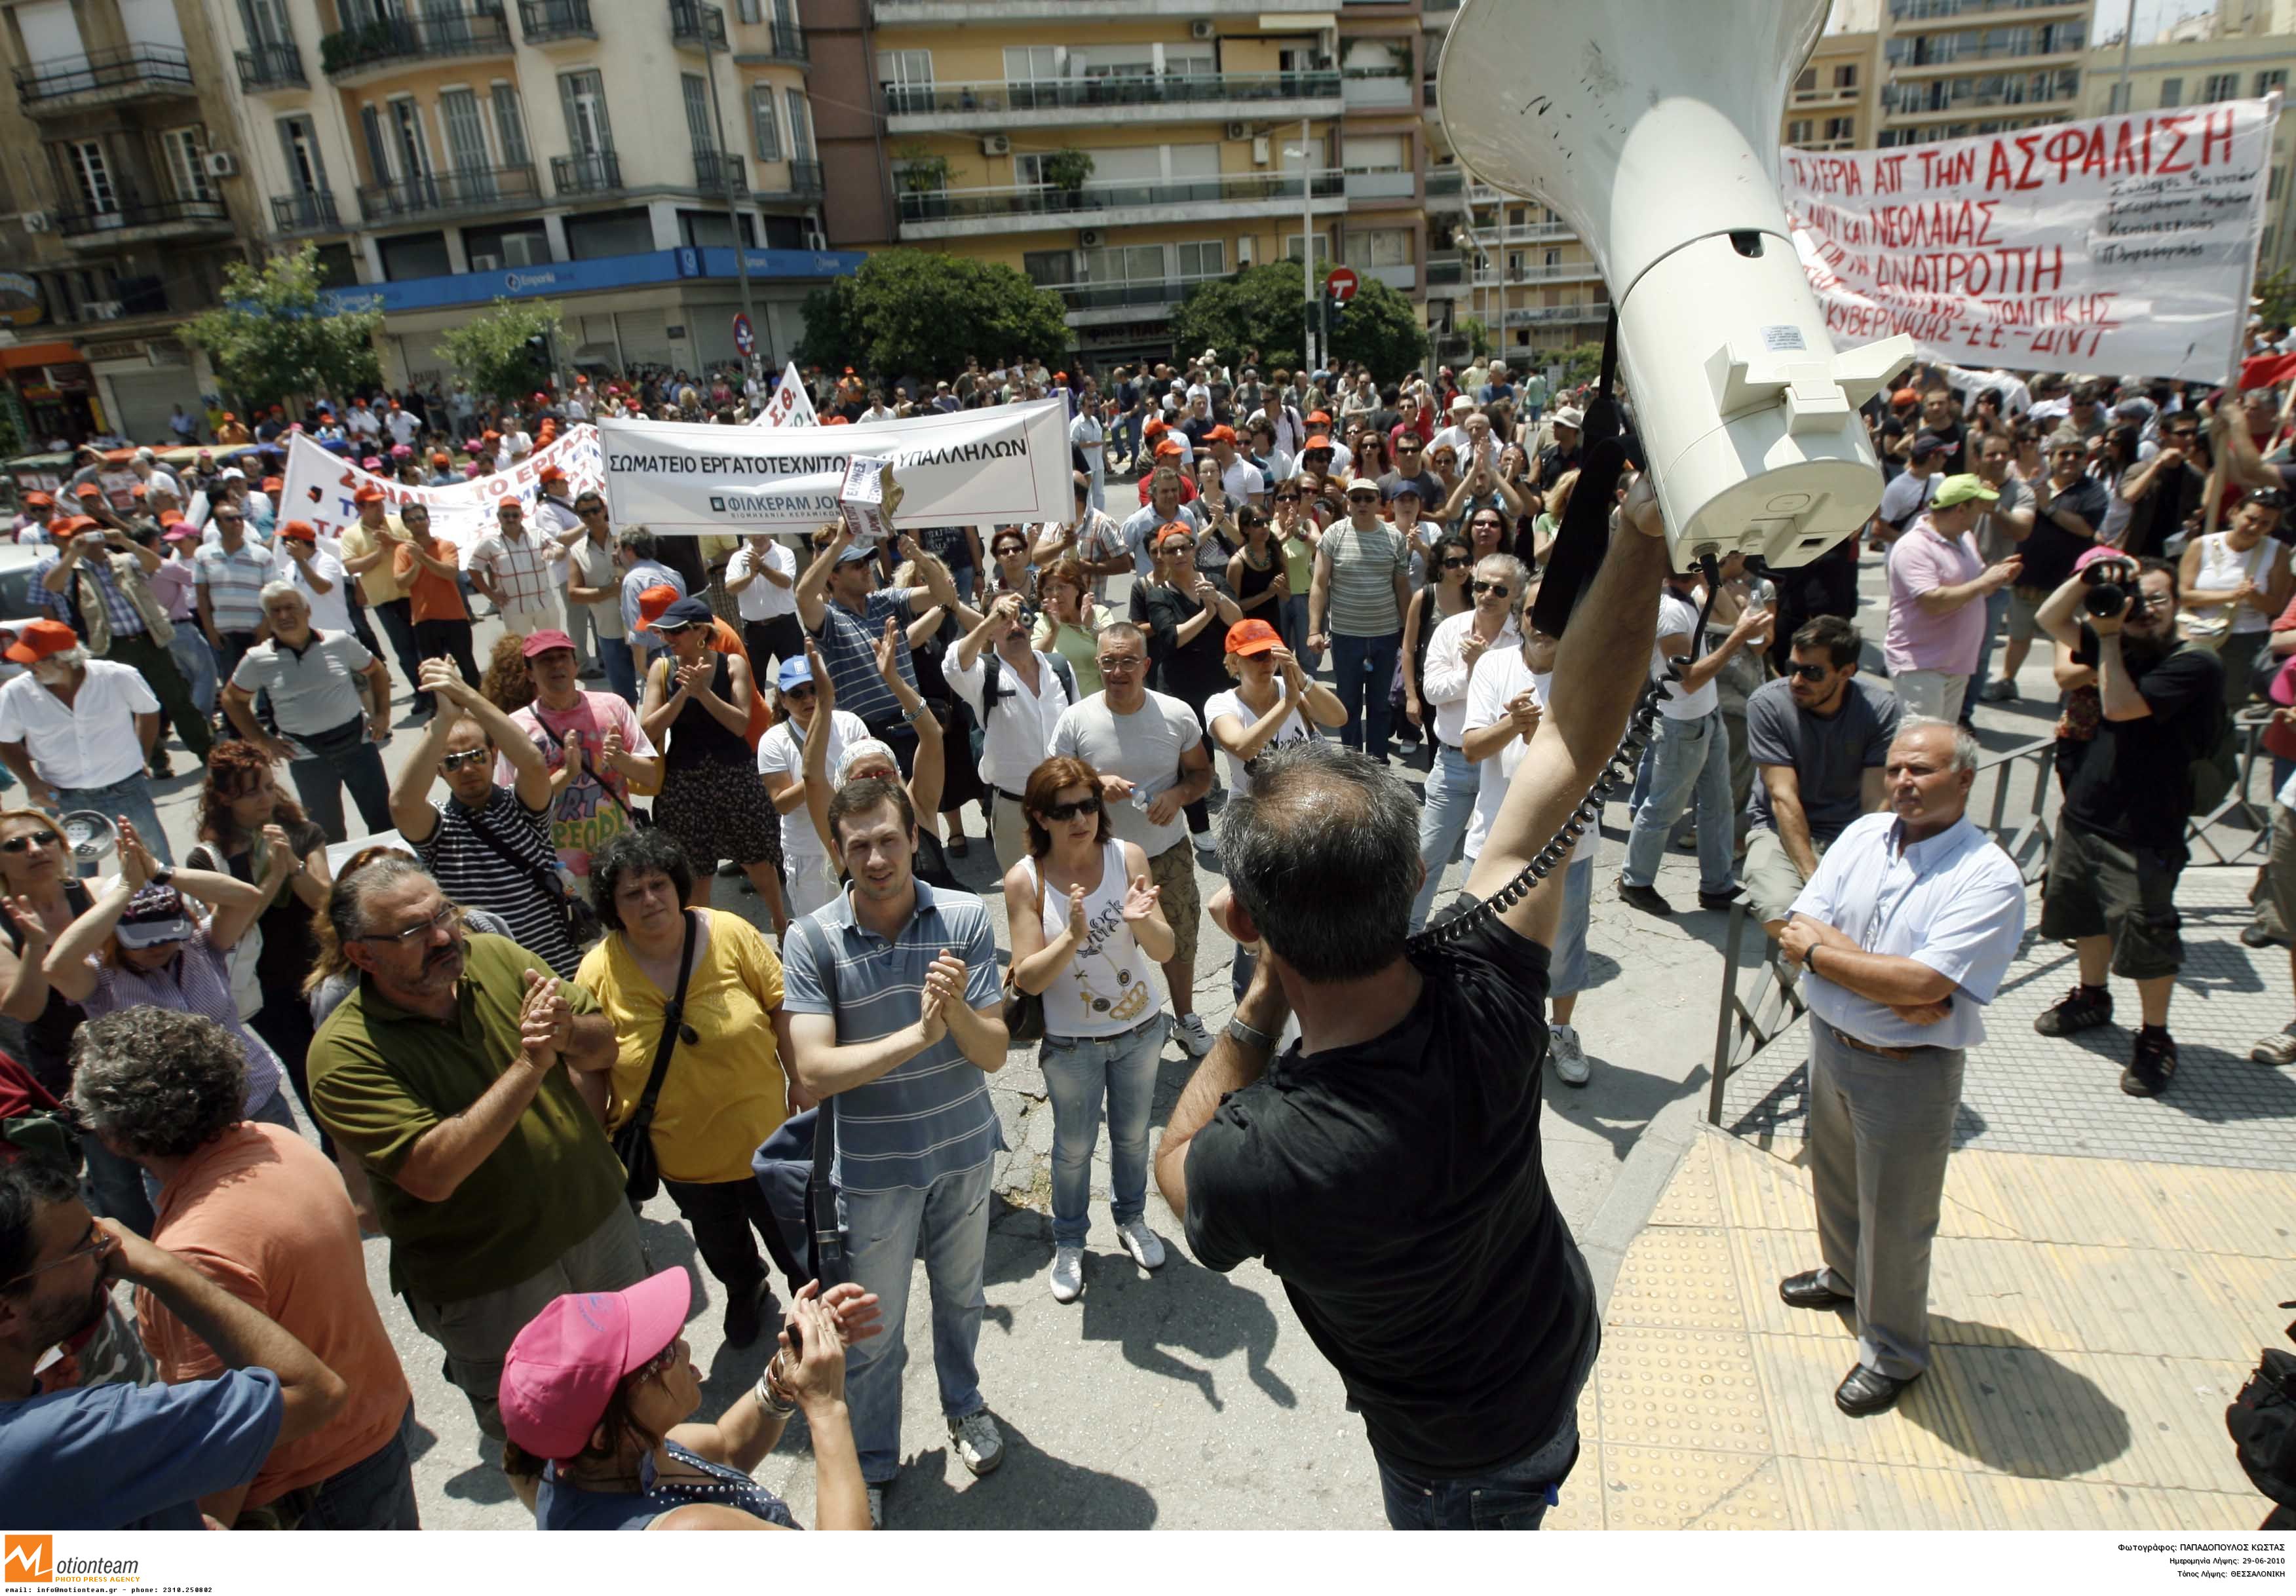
x,y
1306,150
714,38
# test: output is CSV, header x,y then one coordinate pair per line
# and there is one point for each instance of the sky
x,y
2152,16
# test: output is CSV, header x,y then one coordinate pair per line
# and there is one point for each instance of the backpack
x,y
2262,1423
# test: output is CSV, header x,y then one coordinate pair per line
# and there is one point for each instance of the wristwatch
x,y
163,875
1244,1035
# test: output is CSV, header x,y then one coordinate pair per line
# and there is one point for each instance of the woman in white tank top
x,y
1088,935
2233,585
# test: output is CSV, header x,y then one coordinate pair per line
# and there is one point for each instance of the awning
x,y
17,356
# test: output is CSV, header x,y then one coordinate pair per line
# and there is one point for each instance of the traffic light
x,y
1335,314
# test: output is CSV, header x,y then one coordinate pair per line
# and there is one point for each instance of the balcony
x,y
1381,185
1004,105
554,22
577,174
716,173
77,83
1378,88
1567,271
1403,279
1446,182
1910,14
1446,274
1550,315
268,68
972,212
1098,304
694,26
2040,53
1821,97
449,193
805,181
137,222
784,42
958,13
311,211
358,53
1976,97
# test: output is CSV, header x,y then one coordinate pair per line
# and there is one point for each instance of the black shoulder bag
x,y
582,926
634,1142
793,1167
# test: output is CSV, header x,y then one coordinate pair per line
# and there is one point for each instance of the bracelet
x,y
764,1392
917,714
1809,959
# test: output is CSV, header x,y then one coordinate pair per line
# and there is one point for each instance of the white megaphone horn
x,y
1652,126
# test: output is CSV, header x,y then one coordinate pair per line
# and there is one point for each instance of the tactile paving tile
x,y
1825,1494
1680,1278
1758,1504
1579,1504
1690,1200
1673,1487
1675,1389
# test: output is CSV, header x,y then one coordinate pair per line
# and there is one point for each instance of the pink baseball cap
x,y
565,1366
2098,556
545,640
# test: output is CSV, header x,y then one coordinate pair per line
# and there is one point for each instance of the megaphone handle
x,y
1583,534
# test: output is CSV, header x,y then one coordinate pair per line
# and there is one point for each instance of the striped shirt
x,y
932,1115
233,579
520,569
1364,567
848,647
196,981
471,872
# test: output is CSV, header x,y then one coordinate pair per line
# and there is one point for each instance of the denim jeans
x,y
1451,788
622,670
375,1493
1997,616
319,782
1689,762
1292,622
1079,1073
1567,970
131,798
882,1230
197,663
1363,672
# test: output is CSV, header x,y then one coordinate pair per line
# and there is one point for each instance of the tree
x,y
2278,292
915,312
1581,364
271,339
1478,336
1261,307
506,352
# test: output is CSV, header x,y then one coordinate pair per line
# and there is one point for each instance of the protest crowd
x,y
489,1031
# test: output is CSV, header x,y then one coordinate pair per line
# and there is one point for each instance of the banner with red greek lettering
x,y
2126,244
971,468
790,405
318,487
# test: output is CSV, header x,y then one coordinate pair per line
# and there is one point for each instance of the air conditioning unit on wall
x,y
35,221
1202,27
486,263
1089,238
1235,130
996,144
221,163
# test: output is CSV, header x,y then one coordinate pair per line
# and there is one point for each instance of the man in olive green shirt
x,y
450,1072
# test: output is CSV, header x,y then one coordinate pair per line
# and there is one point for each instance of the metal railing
x,y
1111,295
132,66
1923,11
482,188
142,213
941,205
1446,274
806,177
271,66
693,23
714,171
1086,94
310,211
785,41
1444,182
427,36
545,20
599,174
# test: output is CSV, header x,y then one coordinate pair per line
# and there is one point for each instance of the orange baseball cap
x,y
36,640
1170,445
300,532
82,523
1252,637
653,602
171,517
37,499
1220,434
368,494
1172,530
1317,442
89,490
271,485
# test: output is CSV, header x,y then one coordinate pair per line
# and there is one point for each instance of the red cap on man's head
x,y
36,640
1220,434
300,532
37,499
89,490
78,524
544,641
367,495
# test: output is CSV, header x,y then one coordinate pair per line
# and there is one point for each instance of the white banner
x,y
790,405
1006,464
318,487
2126,244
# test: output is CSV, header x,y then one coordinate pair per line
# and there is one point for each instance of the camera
x,y
2106,587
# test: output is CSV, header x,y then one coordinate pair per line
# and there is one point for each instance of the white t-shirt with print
x,y
782,749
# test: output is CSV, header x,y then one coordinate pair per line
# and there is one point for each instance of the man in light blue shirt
x,y
640,571
1906,932
897,1014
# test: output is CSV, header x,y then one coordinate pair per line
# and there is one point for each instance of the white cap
x,y
1462,403
1363,485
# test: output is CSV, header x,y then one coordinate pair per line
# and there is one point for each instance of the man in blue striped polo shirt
x,y
838,606
916,1024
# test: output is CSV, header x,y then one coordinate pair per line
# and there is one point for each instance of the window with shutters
x,y
697,111
908,78
93,174
466,130
1378,246
2172,93
510,125
2221,86
800,121
299,143
188,163
765,128
1797,131
583,96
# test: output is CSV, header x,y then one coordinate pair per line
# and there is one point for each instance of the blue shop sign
x,y
590,276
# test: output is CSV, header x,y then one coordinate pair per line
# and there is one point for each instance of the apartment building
x,y
1958,67
604,153
1119,151
1835,103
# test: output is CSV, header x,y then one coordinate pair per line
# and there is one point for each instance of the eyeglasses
x,y
1120,666
445,916
1810,673
1457,565
94,1244
1480,588
469,756
1287,498
1363,498
18,845
1068,812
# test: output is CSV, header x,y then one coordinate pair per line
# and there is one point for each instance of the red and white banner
x,y
318,487
2124,244
790,405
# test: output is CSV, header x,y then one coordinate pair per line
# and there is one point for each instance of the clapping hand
x,y
135,862
1287,666
609,748
694,678
1139,900
945,980
545,1021
443,682
812,1356
29,926
889,654
1078,927
1524,714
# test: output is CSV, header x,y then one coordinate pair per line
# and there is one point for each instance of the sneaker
x,y
876,1507
2151,1066
2083,1009
1569,1058
1720,902
1068,1273
2277,1051
2001,691
1146,1247
2253,935
979,1443
1646,899
1189,1031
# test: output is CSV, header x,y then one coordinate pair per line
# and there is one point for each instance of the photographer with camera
x,y
995,668
2129,791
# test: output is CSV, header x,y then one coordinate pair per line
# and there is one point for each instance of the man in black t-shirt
x,y
2069,509
1388,1168
2120,842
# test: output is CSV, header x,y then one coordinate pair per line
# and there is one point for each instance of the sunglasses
x,y
1810,673
803,690
1067,812
447,916
1363,498
469,756
93,1245
1457,565
1287,498
1480,588
18,845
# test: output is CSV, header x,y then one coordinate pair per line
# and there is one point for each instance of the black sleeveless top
x,y
47,1040
697,737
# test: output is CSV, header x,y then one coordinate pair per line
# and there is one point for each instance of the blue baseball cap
x,y
793,672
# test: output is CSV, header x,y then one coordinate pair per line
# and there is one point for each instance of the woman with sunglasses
x,y
1009,567
1443,595
1070,624
45,895
1186,614
1089,935
1295,530
1256,572
725,1090
598,1396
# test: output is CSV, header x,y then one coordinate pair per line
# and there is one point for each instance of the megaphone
x,y
1651,127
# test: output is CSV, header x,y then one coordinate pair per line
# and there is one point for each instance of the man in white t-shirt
x,y
1239,477
1032,691
1689,758
781,763
762,578
401,424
